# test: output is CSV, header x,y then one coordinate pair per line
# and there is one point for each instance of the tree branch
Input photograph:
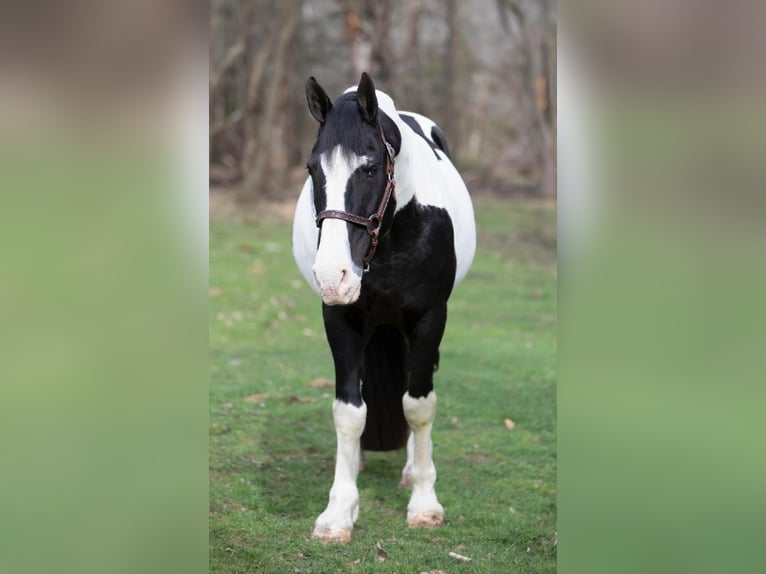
x,y
232,55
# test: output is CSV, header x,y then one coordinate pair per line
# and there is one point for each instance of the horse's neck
x,y
404,168
404,172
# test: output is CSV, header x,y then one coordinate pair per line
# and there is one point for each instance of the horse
x,y
383,231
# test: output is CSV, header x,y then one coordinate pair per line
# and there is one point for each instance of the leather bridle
x,y
372,223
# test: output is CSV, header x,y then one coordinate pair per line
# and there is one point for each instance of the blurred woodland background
x,y
485,70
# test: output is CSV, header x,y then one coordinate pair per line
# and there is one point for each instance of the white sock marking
x,y
420,415
343,507
407,470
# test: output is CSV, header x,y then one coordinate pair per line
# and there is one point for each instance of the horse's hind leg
x,y
419,404
423,509
406,481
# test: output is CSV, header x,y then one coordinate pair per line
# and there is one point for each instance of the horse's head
x,y
350,179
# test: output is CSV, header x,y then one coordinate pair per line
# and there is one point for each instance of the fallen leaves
x,y
460,557
509,424
260,397
257,268
228,319
322,384
380,553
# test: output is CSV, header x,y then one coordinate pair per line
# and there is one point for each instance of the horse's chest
x,y
422,240
416,270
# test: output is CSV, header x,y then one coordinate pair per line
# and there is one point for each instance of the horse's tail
x,y
383,384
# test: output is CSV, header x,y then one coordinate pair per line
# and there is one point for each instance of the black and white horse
x,y
383,231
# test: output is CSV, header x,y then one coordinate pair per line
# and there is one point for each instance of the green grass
x,y
272,443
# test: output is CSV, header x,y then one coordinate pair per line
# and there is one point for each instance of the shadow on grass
x,y
298,462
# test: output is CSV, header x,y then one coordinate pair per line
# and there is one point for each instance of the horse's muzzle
x,y
338,286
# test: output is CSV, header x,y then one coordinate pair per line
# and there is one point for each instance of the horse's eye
x,y
372,170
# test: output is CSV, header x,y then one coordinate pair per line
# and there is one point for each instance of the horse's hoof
x,y
329,535
426,519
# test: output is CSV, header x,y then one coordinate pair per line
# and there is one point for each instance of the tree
x,y
533,24
488,81
264,159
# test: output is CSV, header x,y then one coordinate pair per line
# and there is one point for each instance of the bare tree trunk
x,y
451,122
381,56
297,119
413,81
539,75
262,146
217,112
552,118
542,70
357,38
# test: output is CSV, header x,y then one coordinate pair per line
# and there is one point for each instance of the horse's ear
x,y
366,98
319,104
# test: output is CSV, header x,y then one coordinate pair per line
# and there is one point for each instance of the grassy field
x,y
272,442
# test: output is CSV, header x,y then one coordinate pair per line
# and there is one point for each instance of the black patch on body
x,y
440,139
437,141
415,264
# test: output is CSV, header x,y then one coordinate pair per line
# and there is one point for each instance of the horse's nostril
x,y
335,279
345,277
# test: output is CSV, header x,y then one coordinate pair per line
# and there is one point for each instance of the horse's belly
x,y
464,228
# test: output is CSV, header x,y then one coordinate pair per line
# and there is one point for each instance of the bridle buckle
x,y
373,224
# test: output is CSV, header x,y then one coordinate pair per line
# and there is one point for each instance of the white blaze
x,y
338,278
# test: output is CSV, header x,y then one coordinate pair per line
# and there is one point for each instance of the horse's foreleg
x,y
419,402
336,522
349,416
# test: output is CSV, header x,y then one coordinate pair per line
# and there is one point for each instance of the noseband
x,y
373,222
